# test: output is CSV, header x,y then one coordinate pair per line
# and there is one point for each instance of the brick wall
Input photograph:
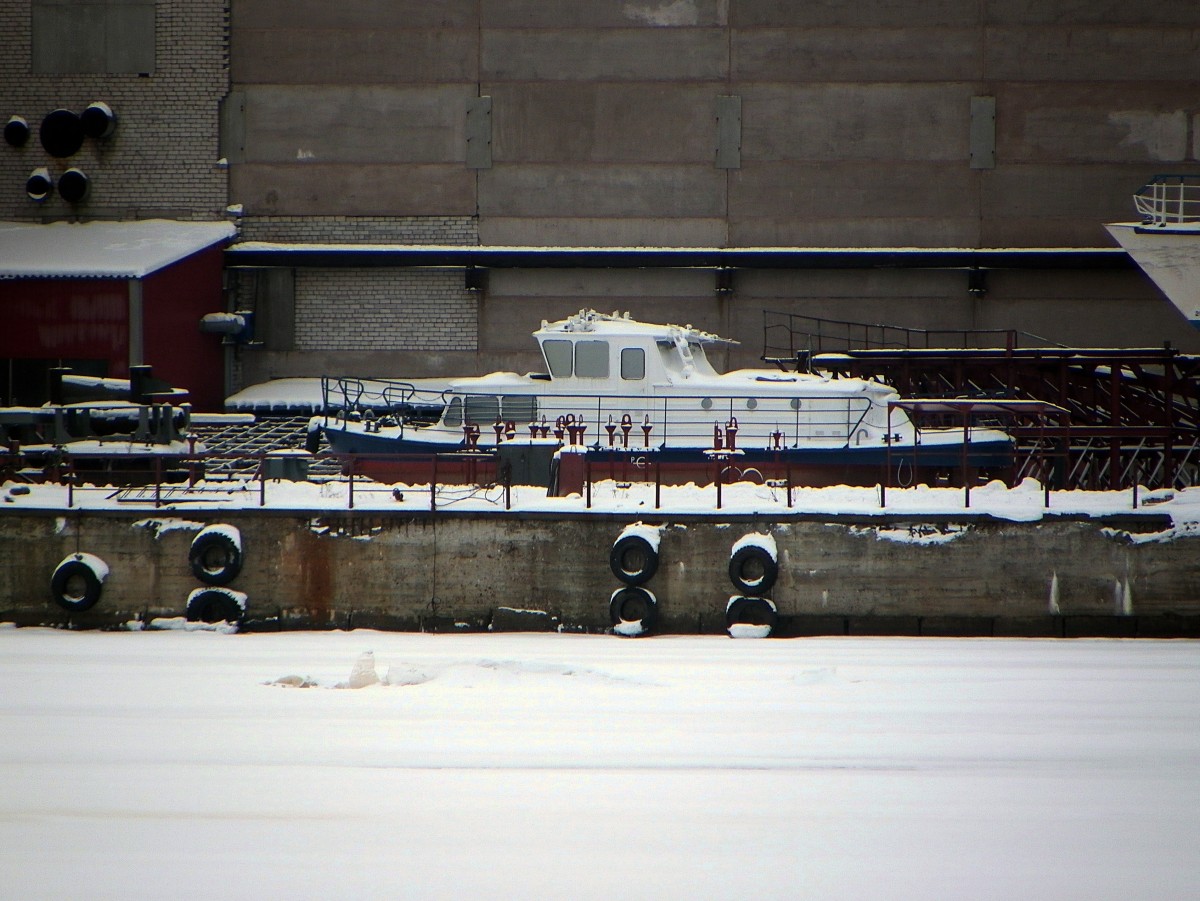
x,y
384,309
363,229
162,161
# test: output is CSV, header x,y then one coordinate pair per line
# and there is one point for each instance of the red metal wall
x,y
173,300
88,319
54,318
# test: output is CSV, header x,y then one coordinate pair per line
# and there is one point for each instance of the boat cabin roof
x,y
591,324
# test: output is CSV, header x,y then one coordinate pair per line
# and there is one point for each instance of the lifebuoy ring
x,y
215,605
753,570
750,617
78,582
633,559
216,555
633,611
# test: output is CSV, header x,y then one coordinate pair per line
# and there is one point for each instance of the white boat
x,y
639,396
1165,243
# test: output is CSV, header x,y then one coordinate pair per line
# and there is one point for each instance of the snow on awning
x,y
132,249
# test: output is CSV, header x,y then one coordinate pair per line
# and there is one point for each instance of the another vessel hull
x,y
1171,258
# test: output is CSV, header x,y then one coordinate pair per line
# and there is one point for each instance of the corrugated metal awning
x,y
125,250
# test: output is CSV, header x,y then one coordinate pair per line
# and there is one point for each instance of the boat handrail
x,y
671,419
1169,200
349,394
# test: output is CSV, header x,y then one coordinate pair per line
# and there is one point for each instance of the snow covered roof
x,y
132,249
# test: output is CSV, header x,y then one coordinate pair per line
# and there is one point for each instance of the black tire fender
x,y
215,605
753,570
633,560
216,555
633,611
78,582
744,611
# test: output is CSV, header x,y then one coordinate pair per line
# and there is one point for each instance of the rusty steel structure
x,y
1132,415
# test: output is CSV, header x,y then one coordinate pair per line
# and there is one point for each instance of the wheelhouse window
x,y
591,359
453,417
558,357
633,363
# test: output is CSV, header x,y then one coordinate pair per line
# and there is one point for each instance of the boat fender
x,y
633,611
312,438
750,617
216,554
215,605
78,582
633,559
753,570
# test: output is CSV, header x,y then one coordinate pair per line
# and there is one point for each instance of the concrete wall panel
x,y
1098,122
356,124
354,14
318,189
627,231
601,190
1030,205
855,54
1081,53
1098,12
573,122
807,204
648,54
879,13
368,55
601,13
855,122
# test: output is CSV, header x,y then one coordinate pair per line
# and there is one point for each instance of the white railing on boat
x,y
1169,200
622,421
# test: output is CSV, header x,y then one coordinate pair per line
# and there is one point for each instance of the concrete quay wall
x,y
447,572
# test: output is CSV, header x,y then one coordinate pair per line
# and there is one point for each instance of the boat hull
x,y
389,459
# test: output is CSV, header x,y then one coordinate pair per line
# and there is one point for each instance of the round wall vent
x,y
73,186
39,184
98,120
61,133
16,131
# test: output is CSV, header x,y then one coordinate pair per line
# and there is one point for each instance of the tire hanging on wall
x,y
216,555
78,582
215,605
633,560
757,617
633,611
753,570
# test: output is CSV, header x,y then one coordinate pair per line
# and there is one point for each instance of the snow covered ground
x,y
174,765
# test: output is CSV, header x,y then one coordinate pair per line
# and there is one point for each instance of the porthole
x,y
795,403
706,404
752,404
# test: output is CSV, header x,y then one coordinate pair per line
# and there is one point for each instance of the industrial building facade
x,y
616,123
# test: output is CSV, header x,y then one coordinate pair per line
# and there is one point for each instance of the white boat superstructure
x,y
1165,243
615,385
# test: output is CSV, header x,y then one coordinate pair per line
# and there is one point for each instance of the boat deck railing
x,y
632,421
1169,200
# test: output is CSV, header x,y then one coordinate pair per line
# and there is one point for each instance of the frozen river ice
x,y
161,765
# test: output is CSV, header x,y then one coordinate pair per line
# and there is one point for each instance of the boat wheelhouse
x,y
642,396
